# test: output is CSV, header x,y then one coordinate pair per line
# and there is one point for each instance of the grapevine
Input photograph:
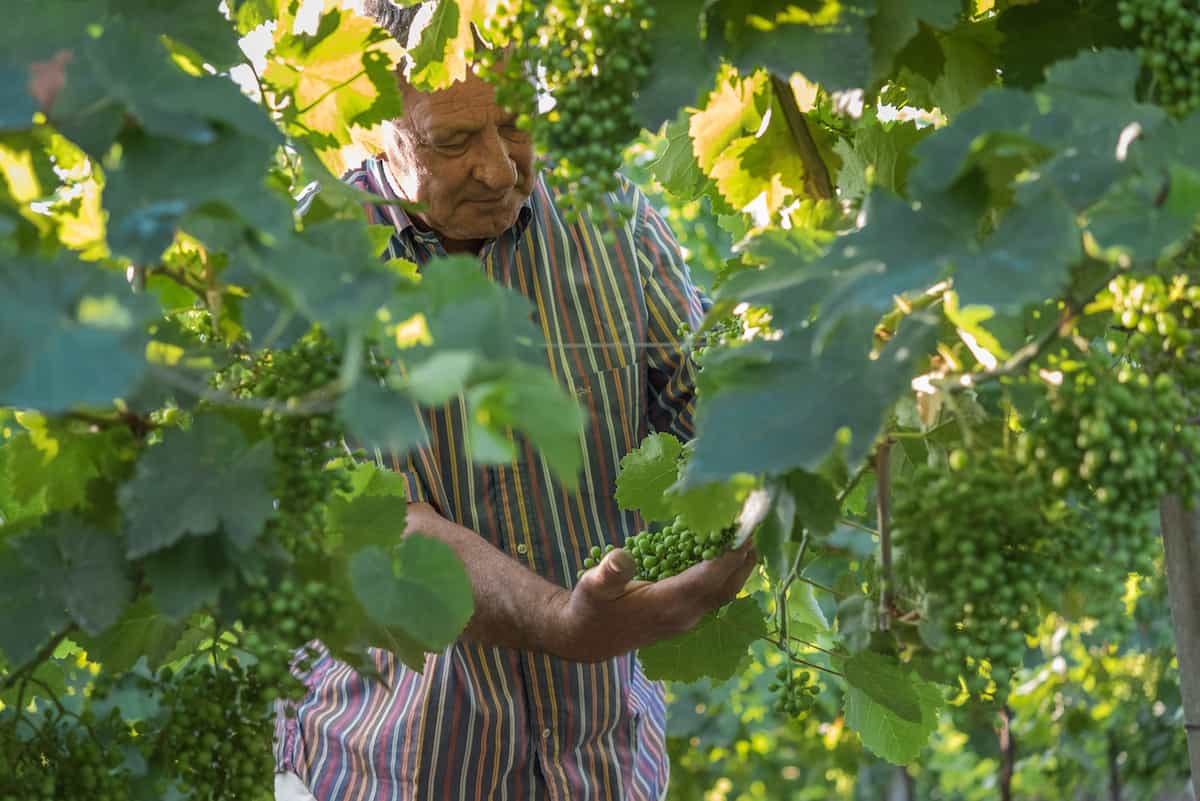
x,y
1169,32
991,514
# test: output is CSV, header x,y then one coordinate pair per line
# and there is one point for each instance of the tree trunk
x,y
1181,541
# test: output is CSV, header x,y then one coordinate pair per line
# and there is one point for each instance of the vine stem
x,y
819,586
44,653
846,521
883,512
793,658
1008,754
812,645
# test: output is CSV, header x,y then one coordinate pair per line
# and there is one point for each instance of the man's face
x,y
464,157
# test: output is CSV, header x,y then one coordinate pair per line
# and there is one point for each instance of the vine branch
x,y
44,653
883,512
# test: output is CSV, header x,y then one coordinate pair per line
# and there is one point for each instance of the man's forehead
x,y
463,104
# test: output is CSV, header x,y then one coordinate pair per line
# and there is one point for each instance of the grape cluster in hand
x,y
673,549
1169,32
592,57
979,540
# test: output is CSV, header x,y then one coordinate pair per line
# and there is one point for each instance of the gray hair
x,y
396,20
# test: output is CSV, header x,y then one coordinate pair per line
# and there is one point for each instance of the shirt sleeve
x,y
671,299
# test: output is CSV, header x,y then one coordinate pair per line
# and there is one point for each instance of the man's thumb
x,y
607,580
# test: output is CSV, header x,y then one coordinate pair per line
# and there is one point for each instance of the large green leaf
x,y
713,649
799,401
893,710
646,473
682,65
826,40
328,272
189,574
897,21
141,632
196,482
127,71
1038,34
419,595
70,334
429,70
65,572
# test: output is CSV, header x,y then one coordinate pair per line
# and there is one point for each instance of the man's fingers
x,y
608,579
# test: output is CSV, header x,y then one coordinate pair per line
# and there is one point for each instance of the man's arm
x,y
605,615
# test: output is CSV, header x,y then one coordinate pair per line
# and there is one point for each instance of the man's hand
x,y
608,614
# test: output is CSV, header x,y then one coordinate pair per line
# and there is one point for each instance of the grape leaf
x,y
70,335
816,501
430,69
893,710
66,571
368,520
897,21
1037,35
528,400
203,29
338,79
1029,256
196,481
681,63
188,575
381,418
711,507
804,607
714,648
142,631
16,104
676,168
420,599
798,400
646,474
827,41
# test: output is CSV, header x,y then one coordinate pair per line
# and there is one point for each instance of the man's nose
x,y
493,167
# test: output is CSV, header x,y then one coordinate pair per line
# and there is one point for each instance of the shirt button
x,y
545,734
521,549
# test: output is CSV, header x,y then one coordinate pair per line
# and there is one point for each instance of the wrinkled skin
x,y
464,158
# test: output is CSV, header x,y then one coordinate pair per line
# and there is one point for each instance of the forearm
x,y
514,607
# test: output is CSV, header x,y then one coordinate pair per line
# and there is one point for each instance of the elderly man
x,y
543,696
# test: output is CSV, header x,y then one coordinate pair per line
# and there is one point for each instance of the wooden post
x,y
1181,541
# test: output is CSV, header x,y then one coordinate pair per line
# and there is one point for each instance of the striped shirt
x,y
495,723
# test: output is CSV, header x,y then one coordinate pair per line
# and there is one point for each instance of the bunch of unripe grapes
x,y
1169,34
592,56
65,758
1162,316
215,742
304,441
727,329
980,540
1118,440
674,548
279,623
797,689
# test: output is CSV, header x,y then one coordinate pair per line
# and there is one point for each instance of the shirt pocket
x,y
614,411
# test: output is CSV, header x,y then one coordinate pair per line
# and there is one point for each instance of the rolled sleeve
x,y
671,299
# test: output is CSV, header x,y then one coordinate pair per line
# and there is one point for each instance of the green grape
x,y
303,443
281,624
592,57
983,539
215,741
673,549
797,691
1170,49
1118,440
